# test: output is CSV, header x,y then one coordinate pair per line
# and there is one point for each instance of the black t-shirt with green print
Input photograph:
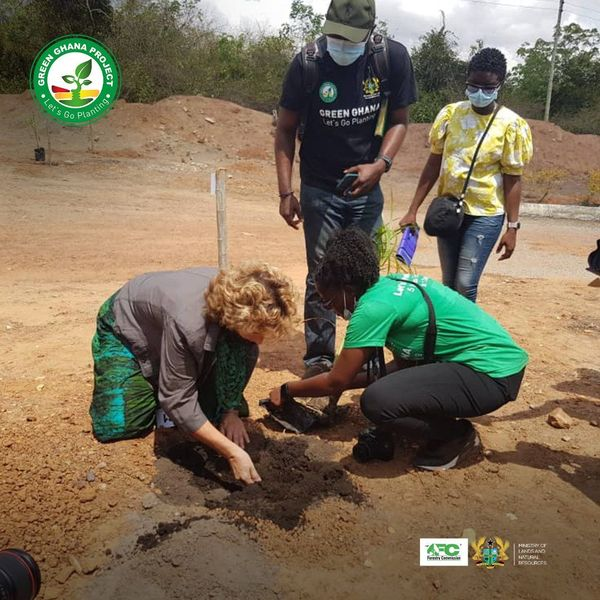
x,y
342,111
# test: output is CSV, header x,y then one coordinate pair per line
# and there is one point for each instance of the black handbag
x,y
445,214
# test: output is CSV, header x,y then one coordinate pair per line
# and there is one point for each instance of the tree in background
x,y
26,26
439,72
577,71
303,26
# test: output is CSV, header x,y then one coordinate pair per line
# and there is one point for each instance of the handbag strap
x,y
464,190
430,334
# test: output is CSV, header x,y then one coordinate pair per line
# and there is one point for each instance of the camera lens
x,y
20,577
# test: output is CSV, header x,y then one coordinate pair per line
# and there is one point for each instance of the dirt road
x,y
322,526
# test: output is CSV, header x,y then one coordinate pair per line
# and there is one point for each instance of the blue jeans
x,y
325,213
464,255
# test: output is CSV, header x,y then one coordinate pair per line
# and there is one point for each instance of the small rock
x,y
487,453
492,468
40,387
101,465
217,495
63,575
141,477
87,495
52,592
512,516
89,565
69,162
560,419
453,494
113,502
470,534
566,438
436,584
391,530
90,476
176,562
76,564
368,563
594,423
209,120
149,500
31,419
102,486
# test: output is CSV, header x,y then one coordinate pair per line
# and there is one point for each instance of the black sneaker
x,y
374,444
438,455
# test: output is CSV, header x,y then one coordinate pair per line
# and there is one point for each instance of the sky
x,y
505,24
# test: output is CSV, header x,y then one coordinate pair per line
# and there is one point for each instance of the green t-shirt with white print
x,y
393,313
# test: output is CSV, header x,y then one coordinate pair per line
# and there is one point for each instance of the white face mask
x,y
343,52
347,314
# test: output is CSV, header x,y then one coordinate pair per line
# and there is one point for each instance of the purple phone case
x,y
408,245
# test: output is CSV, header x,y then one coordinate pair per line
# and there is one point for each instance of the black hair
x,y
350,259
489,60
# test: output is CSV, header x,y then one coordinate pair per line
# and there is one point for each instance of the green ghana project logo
x,y
75,79
328,92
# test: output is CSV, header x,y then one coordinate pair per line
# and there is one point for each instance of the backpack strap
x,y
311,54
379,51
310,57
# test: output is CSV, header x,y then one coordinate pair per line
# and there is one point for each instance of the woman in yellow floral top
x,y
494,189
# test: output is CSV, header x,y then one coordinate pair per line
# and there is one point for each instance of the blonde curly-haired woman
x,y
187,342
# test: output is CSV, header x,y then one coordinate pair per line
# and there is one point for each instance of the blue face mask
x,y
343,52
481,99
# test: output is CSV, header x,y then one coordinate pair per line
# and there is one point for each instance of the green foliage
x,y
166,47
303,26
440,74
25,27
436,63
577,71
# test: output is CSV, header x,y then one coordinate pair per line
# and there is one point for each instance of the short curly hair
x,y
252,298
488,60
350,259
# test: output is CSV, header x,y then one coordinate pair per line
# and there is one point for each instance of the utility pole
x,y
553,60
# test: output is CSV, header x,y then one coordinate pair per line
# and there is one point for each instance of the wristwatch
x,y
515,225
387,160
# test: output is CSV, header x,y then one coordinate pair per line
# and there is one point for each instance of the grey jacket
x,y
161,317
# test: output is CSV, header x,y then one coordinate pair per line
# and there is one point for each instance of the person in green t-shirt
x,y
451,362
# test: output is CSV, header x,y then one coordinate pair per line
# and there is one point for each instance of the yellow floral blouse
x,y
506,149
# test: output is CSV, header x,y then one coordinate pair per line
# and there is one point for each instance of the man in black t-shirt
x,y
341,117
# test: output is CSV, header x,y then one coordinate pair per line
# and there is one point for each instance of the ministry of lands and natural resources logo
x,y
75,79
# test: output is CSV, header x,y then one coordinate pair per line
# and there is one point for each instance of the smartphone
x,y
345,184
408,244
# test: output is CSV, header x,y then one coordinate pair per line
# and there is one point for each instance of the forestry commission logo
x,y
444,552
75,79
328,92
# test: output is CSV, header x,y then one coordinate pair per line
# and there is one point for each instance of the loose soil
x,y
123,521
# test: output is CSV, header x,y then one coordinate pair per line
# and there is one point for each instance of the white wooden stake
x,y
221,218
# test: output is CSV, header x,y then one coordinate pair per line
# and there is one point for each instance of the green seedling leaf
x,y
69,78
83,69
86,82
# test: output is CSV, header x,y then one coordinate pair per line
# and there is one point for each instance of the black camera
x,y
374,444
20,577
